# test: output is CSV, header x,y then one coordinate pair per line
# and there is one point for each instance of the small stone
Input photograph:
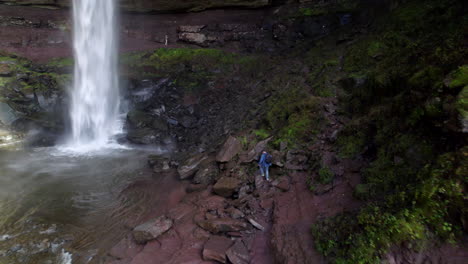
x,y
223,225
243,191
256,224
234,234
235,213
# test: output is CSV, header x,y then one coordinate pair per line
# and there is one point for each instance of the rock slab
x,y
238,253
215,249
190,166
231,148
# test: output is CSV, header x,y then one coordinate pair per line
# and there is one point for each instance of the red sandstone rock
x,y
216,247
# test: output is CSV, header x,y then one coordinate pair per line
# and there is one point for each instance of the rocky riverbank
x,y
226,212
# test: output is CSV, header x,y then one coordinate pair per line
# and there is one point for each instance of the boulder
x,y
207,174
220,225
196,38
282,183
139,119
158,163
144,136
238,253
296,160
278,158
151,229
215,249
231,148
191,28
254,153
190,166
226,186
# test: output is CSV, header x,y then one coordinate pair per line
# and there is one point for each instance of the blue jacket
x,y
262,161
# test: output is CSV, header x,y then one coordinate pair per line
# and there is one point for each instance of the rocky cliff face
x,y
40,34
154,5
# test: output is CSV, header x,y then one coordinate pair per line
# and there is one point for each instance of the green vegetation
x,y
404,92
42,80
294,116
261,134
61,62
340,6
325,176
189,68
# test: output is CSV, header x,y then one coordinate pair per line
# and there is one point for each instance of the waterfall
x,y
95,95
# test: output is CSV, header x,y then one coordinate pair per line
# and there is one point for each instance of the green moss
x,y
340,6
460,77
313,11
375,49
61,62
261,134
461,103
351,140
397,98
364,236
4,81
325,176
430,76
294,115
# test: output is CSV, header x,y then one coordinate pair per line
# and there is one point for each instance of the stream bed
x,y
55,204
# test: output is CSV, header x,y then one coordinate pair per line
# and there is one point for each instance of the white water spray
x,y
95,96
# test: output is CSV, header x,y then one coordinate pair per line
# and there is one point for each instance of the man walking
x,y
264,163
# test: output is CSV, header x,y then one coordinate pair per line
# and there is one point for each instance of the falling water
x,y
95,95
